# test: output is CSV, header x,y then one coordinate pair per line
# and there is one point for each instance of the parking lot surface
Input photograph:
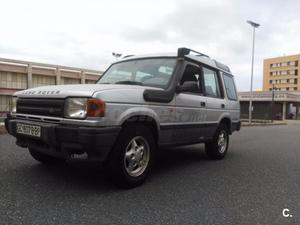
x,y
259,178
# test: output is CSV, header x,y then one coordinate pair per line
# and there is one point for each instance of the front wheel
x,y
130,160
217,147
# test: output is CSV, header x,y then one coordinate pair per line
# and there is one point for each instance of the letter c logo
x,y
285,213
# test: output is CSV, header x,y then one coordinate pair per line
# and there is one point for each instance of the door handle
x,y
222,106
202,104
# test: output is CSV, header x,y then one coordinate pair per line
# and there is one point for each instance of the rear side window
x,y
230,87
211,83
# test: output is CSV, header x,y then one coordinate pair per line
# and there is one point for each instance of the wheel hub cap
x,y
137,156
222,142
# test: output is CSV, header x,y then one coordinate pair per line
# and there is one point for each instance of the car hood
x,y
80,90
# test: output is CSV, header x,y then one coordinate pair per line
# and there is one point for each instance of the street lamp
x,y
116,55
254,25
272,102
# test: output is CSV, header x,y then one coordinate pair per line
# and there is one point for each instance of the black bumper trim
x,y
62,140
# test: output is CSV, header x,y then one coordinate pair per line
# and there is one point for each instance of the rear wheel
x,y
45,159
130,160
217,147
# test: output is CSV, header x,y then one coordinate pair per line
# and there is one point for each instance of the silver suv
x,y
140,105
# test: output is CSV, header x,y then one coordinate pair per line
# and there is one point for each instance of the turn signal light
x,y
95,108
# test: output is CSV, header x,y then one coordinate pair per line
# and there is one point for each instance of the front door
x,y
190,107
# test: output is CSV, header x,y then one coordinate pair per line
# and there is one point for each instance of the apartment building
x,y
17,75
281,73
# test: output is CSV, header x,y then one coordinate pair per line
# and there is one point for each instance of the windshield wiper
x,y
129,82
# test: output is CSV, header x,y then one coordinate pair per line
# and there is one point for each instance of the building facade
x,y
282,73
17,75
266,106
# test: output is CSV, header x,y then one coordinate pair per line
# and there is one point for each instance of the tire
x,y
45,159
131,158
218,146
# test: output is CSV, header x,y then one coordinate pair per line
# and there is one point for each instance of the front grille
x,y
44,107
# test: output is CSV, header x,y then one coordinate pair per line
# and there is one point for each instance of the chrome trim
x,y
57,120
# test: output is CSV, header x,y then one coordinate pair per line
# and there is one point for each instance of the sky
x,y
85,33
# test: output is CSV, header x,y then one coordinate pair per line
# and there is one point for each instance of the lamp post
x,y
254,25
272,102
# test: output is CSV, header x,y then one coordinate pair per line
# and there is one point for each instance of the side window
x,y
211,83
230,87
192,78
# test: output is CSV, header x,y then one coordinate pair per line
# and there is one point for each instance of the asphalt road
x,y
257,180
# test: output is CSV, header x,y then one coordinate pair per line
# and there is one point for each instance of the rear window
x,y
230,87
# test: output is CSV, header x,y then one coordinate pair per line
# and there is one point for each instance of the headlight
x,y
13,106
81,108
76,108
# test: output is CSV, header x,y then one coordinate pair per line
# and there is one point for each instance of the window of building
x,y
292,63
284,72
5,102
284,64
295,89
90,81
283,81
13,80
42,80
66,80
291,72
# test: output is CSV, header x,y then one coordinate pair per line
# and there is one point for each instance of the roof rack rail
x,y
126,56
181,52
222,66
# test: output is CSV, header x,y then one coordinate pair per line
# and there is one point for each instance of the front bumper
x,y
66,141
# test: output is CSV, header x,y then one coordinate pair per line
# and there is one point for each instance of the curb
x,y
262,124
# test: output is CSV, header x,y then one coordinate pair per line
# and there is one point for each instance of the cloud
x,y
85,33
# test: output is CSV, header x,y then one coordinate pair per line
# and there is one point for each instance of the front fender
x,y
138,111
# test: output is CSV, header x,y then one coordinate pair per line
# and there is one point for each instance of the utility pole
x,y
254,25
272,103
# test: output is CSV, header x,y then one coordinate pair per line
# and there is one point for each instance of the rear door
x,y
215,101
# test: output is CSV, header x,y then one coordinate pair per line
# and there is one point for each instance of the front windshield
x,y
148,72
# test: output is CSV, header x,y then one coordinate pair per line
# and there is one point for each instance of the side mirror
x,y
188,86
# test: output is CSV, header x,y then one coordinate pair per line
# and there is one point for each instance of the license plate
x,y
30,130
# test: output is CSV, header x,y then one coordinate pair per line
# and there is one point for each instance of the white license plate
x,y
30,130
